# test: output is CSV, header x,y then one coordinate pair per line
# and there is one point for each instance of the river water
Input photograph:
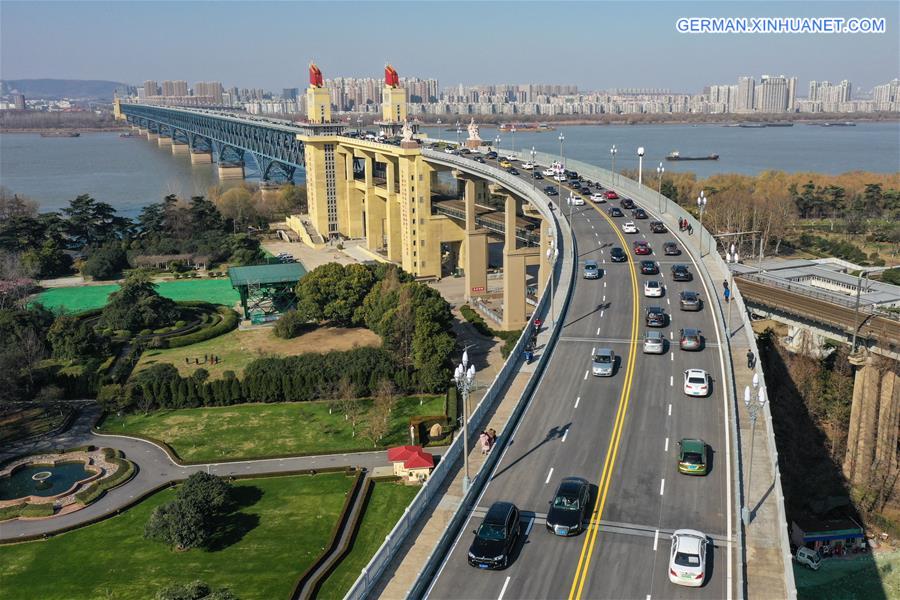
x,y
129,173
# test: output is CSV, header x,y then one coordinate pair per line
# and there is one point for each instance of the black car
x,y
690,301
614,211
627,203
649,267
639,213
491,154
671,249
478,159
537,175
551,191
570,507
496,537
617,255
657,227
512,171
681,273
656,317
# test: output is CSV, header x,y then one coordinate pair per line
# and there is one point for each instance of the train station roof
x,y
266,274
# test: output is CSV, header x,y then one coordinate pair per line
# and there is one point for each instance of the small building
x,y
411,463
839,534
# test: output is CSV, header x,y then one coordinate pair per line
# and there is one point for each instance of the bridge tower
x,y
318,100
393,104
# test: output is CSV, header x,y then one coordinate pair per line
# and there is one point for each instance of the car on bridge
x,y
505,163
479,159
671,248
681,273
690,339
575,200
696,383
603,363
548,172
627,203
551,191
656,317
591,269
654,342
512,171
492,155
537,175
511,157
690,301
692,457
687,559
527,166
570,507
657,227
611,195
598,198
639,213
642,247
617,254
496,537
560,178
653,289
614,211
629,227
649,267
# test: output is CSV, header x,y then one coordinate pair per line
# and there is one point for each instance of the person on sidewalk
x,y
690,230
751,359
485,442
727,295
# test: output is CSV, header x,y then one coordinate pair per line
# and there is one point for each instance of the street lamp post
x,y
731,257
640,165
497,142
856,327
458,133
359,125
612,158
701,204
533,168
465,382
559,174
513,139
753,408
552,255
659,173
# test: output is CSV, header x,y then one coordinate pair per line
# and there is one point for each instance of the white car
x,y
629,227
576,200
598,198
561,178
528,166
696,382
548,172
511,157
448,149
653,289
687,560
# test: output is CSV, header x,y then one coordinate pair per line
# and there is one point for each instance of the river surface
x,y
129,173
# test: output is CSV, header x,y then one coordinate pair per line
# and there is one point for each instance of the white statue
x,y
473,130
407,132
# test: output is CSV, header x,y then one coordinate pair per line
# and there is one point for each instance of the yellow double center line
x,y
590,537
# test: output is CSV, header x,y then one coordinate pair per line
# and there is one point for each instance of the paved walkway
x,y
154,469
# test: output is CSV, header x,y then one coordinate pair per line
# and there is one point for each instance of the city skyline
x,y
119,45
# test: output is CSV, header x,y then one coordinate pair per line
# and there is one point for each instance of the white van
x,y
808,557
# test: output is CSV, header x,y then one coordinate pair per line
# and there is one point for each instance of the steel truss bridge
x,y
272,143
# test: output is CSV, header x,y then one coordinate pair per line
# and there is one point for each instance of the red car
x,y
611,195
642,248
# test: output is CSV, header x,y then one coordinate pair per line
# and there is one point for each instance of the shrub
x,y
97,488
290,325
37,510
229,320
11,512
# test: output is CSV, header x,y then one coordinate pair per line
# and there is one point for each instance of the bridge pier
x,y
163,141
152,136
231,170
200,158
180,148
475,247
872,453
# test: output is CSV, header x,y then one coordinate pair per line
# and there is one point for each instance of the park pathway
x,y
155,468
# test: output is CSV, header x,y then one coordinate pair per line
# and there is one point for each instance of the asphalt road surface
x,y
620,433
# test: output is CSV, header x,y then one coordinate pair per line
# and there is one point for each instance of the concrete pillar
x,y
231,171
513,270
152,136
163,141
200,158
863,420
376,217
887,459
476,247
269,192
181,149
392,210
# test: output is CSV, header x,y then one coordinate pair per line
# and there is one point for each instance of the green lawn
x,y
80,298
282,527
259,430
386,505
27,422
866,577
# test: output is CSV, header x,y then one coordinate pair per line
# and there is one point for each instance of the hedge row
x,y
26,511
421,426
229,320
97,488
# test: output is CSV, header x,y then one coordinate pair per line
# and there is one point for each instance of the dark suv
x,y
656,317
627,203
570,507
681,273
690,301
617,255
639,213
496,537
657,227
648,267
614,211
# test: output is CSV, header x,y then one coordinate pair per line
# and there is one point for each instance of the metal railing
x,y
447,466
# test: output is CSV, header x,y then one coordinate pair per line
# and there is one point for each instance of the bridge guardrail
x,y
431,488
651,199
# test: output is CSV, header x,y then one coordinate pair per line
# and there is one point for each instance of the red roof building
x,y
411,462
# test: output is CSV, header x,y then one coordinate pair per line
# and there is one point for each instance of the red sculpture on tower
x,y
315,76
391,79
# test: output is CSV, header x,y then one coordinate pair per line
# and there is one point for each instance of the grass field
x,y
80,298
237,348
867,577
260,430
26,422
386,505
282,527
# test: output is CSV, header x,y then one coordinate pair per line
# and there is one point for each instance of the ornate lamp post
x,y
560,172
464,376
701,204
552,255
513,139
533,168
731,257
612,159
659,173
754,408
640,165
497,142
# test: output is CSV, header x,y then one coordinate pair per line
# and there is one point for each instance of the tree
x,y
137,305
206,490
349,404
92,223
179,524
290,325
377,423
47,261
105,262
196,590
74,338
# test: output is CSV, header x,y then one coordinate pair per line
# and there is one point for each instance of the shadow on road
x,y
553,434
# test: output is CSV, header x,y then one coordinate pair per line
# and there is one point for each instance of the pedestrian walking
x,y
751,359
727,295
724,284
690,230
492,434
485,442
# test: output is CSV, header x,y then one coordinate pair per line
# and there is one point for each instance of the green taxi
x,y
692,457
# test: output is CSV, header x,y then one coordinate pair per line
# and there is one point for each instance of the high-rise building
x,y
771,95
210,90
151,88
290,93
887,96
745,94
792,94
18,101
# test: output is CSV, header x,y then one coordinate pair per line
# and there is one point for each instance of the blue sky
x,y
596,45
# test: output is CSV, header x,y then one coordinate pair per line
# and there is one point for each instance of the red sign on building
x,y
478,289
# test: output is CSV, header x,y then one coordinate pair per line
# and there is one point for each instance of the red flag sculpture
x,y
391,79
315,76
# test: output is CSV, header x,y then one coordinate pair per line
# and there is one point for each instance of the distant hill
x,y
62,88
